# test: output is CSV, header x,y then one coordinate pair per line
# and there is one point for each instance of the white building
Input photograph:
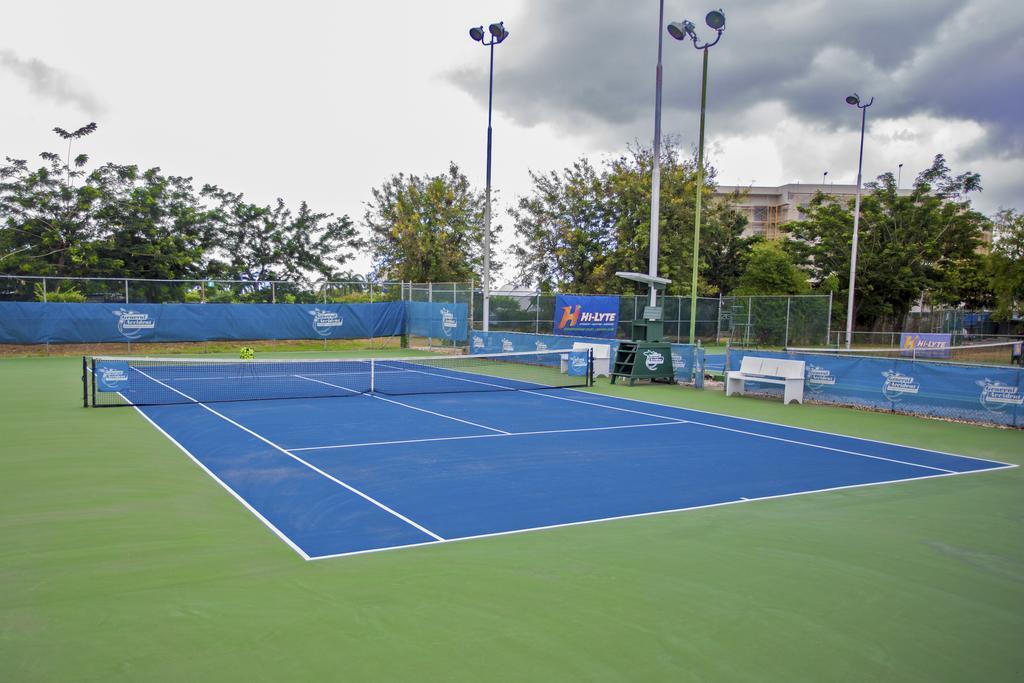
x,y
769,207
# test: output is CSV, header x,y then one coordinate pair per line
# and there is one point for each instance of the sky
x,y
323,101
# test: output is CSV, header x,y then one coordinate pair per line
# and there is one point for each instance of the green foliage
x,y
428,229
122,222
67,296
581,225
770,271
1007,263
924,241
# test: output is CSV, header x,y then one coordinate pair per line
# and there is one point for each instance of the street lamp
x,y
854,101
684,30
498,35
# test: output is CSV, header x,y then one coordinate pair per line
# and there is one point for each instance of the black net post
x,y
590,367
93,382
85,383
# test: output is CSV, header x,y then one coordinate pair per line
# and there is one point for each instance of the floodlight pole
x,y
855,101
498,35
685,31
487,205
652,266
700,188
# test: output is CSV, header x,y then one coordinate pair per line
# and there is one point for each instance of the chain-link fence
x,y
438,293
749,320
207,291
776,321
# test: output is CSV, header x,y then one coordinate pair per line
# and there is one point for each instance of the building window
x,y
760,213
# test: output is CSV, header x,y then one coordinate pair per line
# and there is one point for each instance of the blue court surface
x,y
361,473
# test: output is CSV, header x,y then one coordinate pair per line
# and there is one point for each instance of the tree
x,y
44,215
1007,265
724,249
564,242
428,229
908,244
578,227
272,243
770,271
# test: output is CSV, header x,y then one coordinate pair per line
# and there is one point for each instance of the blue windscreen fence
x,y
437,320
974,393
83,323
508,342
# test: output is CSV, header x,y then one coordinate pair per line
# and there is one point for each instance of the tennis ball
x,y
247,353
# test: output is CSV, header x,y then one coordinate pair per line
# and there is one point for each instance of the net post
x,y
93,382
85,383
373,365
590,367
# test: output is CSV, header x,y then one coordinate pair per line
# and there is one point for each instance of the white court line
x,y
311,466
649,514
802,429
712,426
406,405
270,525
486,436
766,436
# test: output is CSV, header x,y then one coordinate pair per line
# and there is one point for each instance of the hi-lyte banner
x,y
924,344
60,323
586,316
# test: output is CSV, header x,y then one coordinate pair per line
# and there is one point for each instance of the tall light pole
x,y
899,175
715,19
854,101
652,262
498,35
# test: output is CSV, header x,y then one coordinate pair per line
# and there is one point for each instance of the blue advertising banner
x,y
924,345
61,323
579,362
586,316
112,375
965,392
437,320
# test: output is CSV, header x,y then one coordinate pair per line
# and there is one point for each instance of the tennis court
x,y
356,456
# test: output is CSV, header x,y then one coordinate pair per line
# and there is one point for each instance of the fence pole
x,y
44,290
472,289
750,306
430,299
126,291
828,322
371,292
785,340
273,292
718,325
536,312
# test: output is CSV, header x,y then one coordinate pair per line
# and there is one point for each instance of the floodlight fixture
x,y
715,20
853,100
477,33
677,30
498,31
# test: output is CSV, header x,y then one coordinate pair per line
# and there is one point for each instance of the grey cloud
x,y
50,82
591,66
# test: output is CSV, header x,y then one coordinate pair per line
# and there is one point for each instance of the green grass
x,y
122,560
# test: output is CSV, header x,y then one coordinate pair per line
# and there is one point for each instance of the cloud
x,y
591,67
50,83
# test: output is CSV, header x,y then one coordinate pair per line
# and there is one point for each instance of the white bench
x,y
789,373
602,357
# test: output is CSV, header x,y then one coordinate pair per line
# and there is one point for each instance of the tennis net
x,y
127,381
997,353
